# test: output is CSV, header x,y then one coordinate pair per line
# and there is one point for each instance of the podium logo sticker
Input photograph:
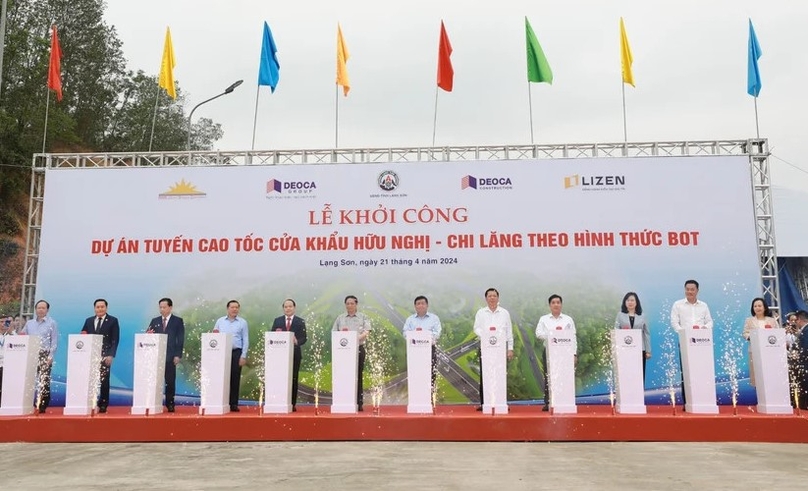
x,y
557,340
699,341
16,346
147,344
79,344
628,340
213,343
277,342
420,341
343,342
772,340
492,340
182,190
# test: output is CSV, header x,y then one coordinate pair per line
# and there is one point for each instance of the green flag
x,y
538,70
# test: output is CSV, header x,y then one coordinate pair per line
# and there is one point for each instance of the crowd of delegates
x,y
685,313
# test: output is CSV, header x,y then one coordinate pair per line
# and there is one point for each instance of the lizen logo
x,y
595,183
486,183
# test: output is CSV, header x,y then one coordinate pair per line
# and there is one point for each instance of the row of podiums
x,y
84,359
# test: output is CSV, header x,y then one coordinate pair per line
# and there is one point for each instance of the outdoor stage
x,y
392,423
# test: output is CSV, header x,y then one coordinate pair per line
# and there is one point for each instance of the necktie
x,y
98,324
165,323
288,323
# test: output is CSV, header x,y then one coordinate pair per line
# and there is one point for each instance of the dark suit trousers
x,y
682,371
359,383
298,357
434,366
171,380
546,375
235,376
103,397
43,385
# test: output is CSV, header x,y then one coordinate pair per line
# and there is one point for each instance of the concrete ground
x,y
403,465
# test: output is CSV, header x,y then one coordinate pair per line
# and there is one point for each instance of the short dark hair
x,y
553,297
489,291
100,300
167,301
637,309
802,315
349,297
233,301
766,311
692,282
289,300
420,297
42,301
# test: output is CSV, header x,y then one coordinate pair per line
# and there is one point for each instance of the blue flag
x,y
753,83
268,71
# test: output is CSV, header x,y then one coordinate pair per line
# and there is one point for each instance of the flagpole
x,y
336,115
435,117
757,127
154,118
255,116
625,130
45,133
530,106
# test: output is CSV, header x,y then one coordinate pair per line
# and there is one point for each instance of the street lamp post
x,y
226,91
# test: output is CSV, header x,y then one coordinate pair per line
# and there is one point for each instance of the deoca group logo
x,y
277,189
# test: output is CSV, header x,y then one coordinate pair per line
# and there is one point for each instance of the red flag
x,y
55,68
445,70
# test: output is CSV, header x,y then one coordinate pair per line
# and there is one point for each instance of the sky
x,y
690,68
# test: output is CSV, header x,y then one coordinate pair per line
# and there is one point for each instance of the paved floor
x,y
397,465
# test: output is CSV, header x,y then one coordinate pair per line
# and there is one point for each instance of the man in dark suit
x,y
802,346
290,322
172,325
107,326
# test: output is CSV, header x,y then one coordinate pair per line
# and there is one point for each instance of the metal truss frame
x,y
756,149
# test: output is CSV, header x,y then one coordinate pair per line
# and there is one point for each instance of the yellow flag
x,y
625,56
342,59
167,67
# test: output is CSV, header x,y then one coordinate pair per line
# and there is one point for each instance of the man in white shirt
x,y
555,320
689,312
492,317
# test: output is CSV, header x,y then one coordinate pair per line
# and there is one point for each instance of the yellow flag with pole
x,y
166,80
342,59
625,56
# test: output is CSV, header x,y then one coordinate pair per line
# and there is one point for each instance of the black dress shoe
x,y
102,409
545,408
294,409
234,409
42,409
479,408
170,408
360,409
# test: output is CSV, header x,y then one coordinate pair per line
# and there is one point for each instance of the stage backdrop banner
x,y
587,229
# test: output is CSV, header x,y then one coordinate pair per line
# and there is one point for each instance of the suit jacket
x,y
623,322
109,329
298,328
176,335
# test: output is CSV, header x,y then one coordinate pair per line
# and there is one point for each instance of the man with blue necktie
x,y
237,326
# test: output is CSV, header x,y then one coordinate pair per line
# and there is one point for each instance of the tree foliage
x,y
105,107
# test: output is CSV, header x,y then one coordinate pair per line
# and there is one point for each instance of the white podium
x,y
149,373
278,357
771,371
698,367
20,359
494,371
419,372
344,370
214,374
561,361
83,373
627,359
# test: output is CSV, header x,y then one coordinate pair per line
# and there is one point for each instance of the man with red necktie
x,y
174,327
107,326
290,322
